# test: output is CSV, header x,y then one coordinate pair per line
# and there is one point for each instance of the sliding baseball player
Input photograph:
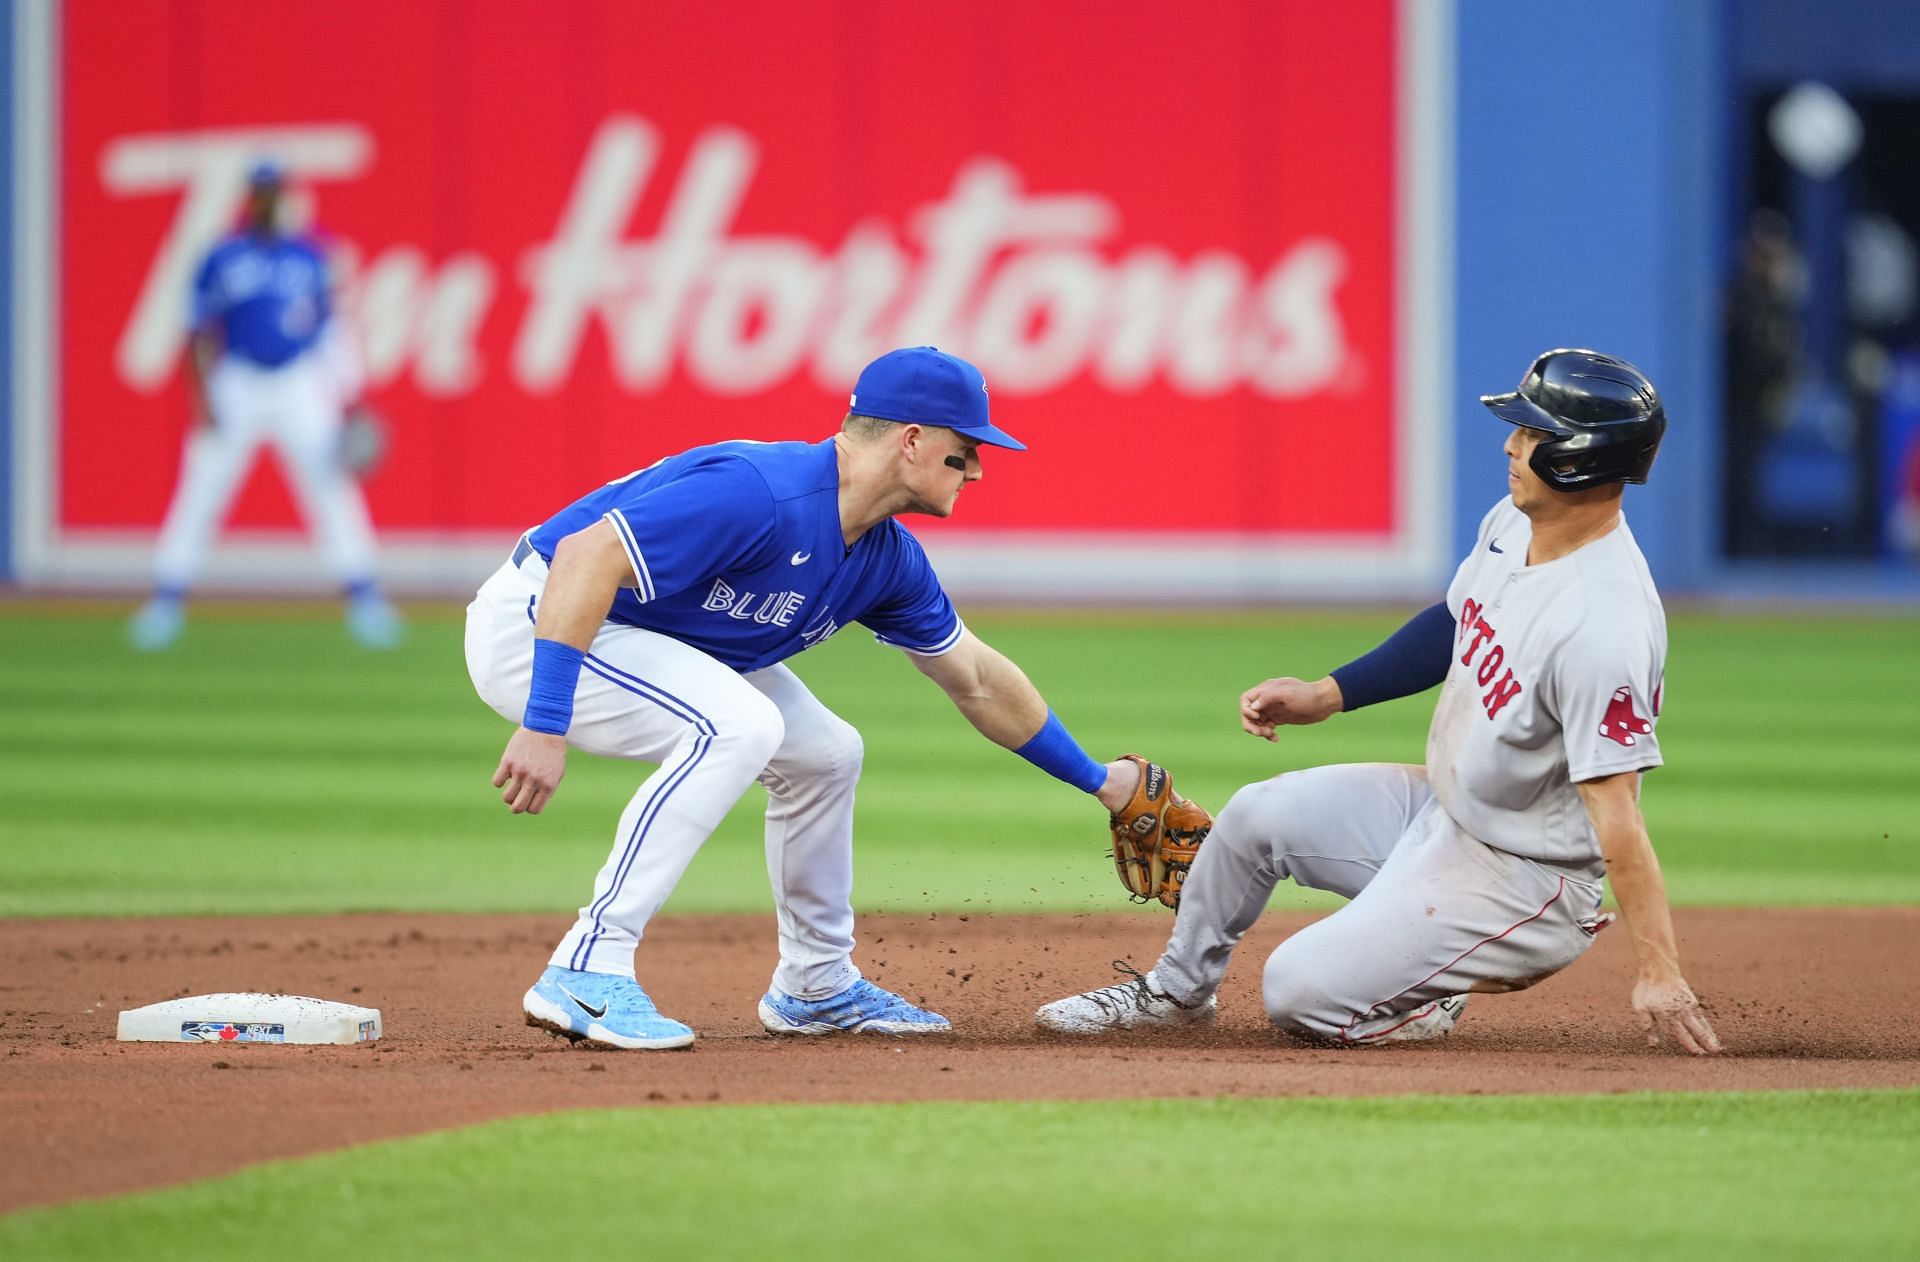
x,y
1481,870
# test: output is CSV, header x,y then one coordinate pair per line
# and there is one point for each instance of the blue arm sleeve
x,y
1413,659
1055,752
556,674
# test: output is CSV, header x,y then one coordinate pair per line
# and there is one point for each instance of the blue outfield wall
x,y
1588,183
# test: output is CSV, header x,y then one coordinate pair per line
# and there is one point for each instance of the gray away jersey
x,y
1555,679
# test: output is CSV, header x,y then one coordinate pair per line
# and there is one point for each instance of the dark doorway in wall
x,y
1822,360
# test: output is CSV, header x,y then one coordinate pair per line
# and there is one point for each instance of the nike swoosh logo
x,y
801,558
589,1009
1495,547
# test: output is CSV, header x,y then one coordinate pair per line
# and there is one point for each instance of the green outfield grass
x,y
1785,1175
266,765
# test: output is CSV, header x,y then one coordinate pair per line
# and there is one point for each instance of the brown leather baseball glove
x,y
1156,836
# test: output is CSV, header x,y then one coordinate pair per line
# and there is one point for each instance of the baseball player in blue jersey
x,y
267,363
651,619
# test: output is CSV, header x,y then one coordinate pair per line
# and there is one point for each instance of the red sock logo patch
x,y
1621,725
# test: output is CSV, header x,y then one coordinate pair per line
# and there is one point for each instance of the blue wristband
x,y
1055,752
556,672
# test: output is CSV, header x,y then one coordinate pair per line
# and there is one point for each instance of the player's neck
x,y
864,498
1567,526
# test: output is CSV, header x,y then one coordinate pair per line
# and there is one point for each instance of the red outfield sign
x,y
577,239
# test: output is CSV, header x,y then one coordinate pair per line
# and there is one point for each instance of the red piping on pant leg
x,y
1346,1035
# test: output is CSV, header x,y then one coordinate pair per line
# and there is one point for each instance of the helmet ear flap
x,y
1565,466
1603,418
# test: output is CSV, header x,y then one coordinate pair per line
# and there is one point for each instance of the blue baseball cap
x,y
266,171
919,385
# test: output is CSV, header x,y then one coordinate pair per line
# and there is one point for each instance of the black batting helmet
x,y
1604,415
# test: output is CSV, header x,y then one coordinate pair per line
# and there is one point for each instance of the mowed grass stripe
x,y
1788,1175
268,765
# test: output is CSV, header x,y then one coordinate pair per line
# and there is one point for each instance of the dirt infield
x,y
1802,998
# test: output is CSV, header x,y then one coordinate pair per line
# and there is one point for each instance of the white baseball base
x,y
247,1017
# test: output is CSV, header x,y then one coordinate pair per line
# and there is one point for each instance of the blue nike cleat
x,y
373,623
861,1006
601,1010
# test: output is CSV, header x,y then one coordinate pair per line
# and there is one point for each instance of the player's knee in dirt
x,y
1293,1002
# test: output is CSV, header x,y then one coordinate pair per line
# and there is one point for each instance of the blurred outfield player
x,y
650,620
1482,870
267,363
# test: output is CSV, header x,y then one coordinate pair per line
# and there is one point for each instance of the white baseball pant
x,y
714,731
1435,911
295,408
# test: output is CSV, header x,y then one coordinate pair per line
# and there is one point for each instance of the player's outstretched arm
x,y
1001,702
588,569
1661,996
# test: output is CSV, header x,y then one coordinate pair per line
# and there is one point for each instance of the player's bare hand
x,y
1287,702
1668,1008
1122,778
530,770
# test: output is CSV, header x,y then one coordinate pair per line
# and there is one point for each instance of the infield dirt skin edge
x,y
1802,998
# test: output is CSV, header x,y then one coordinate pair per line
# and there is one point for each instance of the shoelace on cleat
x,y
633,1003
863,1001
889,1006
1116,997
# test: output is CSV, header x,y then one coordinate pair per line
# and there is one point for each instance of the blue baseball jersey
x,y
267,294
736,550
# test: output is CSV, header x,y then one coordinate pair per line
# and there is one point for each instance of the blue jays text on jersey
x,y
268,295
737,551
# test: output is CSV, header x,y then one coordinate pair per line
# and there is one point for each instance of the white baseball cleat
x,y
1436,1020
1129,1005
